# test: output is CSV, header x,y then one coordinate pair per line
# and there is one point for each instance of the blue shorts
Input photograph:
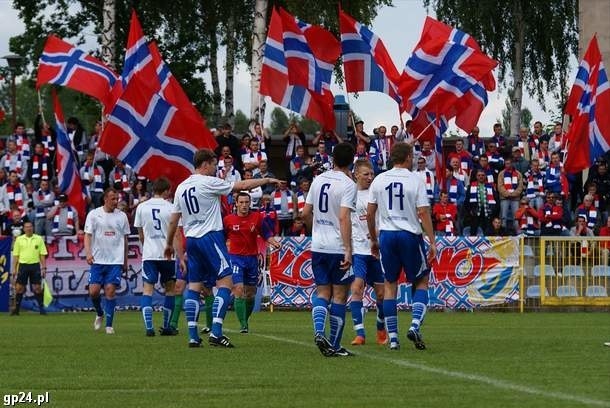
x,y
402,249
245,269
104,274
367,268
153,270
326,269
208,258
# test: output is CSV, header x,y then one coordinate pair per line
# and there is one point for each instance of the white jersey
x,y
198,200
328,193
361,244
108,232
398,193
153,217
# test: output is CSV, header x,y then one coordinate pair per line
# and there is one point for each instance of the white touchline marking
x,y
460,375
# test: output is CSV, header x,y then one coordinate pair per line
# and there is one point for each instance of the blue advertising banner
x,y
5,276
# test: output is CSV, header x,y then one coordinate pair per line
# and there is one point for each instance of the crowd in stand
x,y
493,185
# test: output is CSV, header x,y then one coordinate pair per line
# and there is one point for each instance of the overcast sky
x,y
399,27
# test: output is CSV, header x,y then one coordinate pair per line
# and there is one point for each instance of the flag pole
x,y
422,132
40,109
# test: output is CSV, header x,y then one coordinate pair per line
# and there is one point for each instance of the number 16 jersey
x,y
198,200
398,193
328,193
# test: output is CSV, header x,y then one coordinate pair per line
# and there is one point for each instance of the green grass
x,y
473,360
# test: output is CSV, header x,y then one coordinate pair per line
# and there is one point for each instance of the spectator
x,y
551,216
428,155
444,215
64,217
227,171
256,193
539,132
534,185
496,161
475,145
261,135
13,160
523,144
270,213
527,219
121,176
254,156
581,229
543,154
304,185
380,151
44,200
21,140
464,158
43,133
519,162
495,228
14,194
227,138
322,161
428,177
93,178
360,135
589,212
362,153
481,205
498,138
78,137
140,194
491,174
557,141
263,171
284,203
3,177
40,166
330,139
552,179
300,165
13,227
293,137
297,229
510,186
244,147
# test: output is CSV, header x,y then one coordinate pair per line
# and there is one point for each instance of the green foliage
x,y
309,126
551,36
279,121
512,360
241,122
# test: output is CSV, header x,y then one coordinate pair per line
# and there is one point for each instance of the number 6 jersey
x,y
328,193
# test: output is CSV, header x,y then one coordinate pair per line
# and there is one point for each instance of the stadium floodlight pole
x,y
13,61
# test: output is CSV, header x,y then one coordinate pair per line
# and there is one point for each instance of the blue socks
x,y
191,310
219,310
391,319
168,309
337,322
147,311
97,305
109,309
380,316
319,311
357,317
420,304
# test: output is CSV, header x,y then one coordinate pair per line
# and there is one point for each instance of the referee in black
x,y
29,263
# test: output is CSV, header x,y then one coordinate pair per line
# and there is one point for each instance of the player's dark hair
x,y
109,190
203,156
400,151
243,194
343,154
161,185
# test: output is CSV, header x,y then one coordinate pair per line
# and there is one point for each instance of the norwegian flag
x,y
439,73
310,53
144,56
367,64
63,64
150,134
275,83
589,103
68,178
425,127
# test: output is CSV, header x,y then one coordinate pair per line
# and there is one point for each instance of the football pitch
x,y
472,360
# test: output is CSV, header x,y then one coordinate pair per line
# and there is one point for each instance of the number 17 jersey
x,y
328,193
398,193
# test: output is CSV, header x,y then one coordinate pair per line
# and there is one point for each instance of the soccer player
x,y
106,231
29,263
197,202
151,220
181,278
242,230
367,268
400,197
331,199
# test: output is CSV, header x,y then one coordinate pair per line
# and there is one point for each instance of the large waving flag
x,y
439,73
310,53
589,103
63,64
367,64
68,178
144,56
153,136
276,85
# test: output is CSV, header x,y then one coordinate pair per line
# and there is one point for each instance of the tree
x,y
309,126
279,121
241,122
526,115
532,40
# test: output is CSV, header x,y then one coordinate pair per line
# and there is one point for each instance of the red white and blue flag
x,y
589,103
367,64
137,54
441,72
275,81
151,135
310,53
68,178
63,64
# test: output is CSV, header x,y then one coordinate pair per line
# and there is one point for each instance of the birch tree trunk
x,y
230,69
109,33
257,103
216,95
517,98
